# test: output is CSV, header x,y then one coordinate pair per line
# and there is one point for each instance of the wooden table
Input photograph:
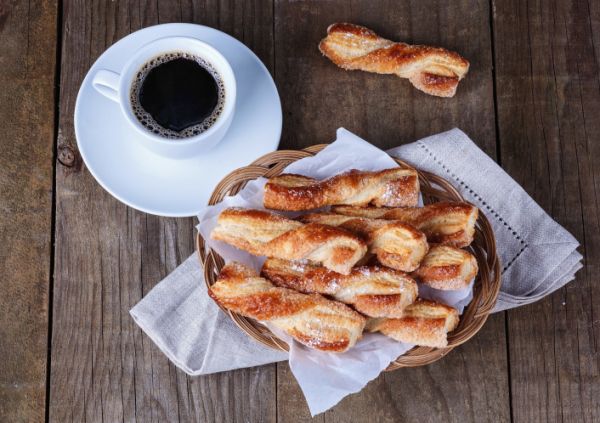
x,y
74,260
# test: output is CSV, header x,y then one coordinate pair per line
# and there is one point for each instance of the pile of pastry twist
x,y
331,275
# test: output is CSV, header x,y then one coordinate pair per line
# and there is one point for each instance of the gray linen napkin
x,y
537,255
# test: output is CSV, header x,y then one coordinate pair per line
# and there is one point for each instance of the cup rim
x,y
125,83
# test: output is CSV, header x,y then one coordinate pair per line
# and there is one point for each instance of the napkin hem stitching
x,y
515,234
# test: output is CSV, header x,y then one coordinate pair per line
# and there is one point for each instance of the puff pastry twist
x,y
263,233
447,268
397,187
395,244
433,70
373,290
425,323
310,319
448,223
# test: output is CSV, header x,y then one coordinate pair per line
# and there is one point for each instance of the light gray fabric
x,y
538,256
185,323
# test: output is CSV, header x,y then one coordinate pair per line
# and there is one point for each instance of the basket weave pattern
x,y
433,188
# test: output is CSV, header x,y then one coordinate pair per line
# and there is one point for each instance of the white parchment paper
x,y
326,378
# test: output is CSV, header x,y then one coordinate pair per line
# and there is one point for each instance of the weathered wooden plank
x,y
246,395
318,97
548,103
27,75
108,256
471,384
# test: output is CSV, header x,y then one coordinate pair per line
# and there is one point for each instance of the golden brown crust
x,y
373,290
311,319
425,323
396,187
433,70
447,223
447,268
268,234
395,244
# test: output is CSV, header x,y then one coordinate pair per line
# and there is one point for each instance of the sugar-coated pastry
x,y
310,319
268,234
396,245
395,187
433,70
447,223
374,291
425,323
447,268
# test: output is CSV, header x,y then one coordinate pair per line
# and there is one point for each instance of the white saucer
x,y
170,187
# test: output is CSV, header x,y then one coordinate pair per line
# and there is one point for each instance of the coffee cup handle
x,y
107,83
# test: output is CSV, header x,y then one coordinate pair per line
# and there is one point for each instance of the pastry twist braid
x,y
447,268
433,70
310,319
396,187
263,233
395,244
445,223
424,323
372,290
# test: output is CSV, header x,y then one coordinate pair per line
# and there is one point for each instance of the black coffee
x,y
177,95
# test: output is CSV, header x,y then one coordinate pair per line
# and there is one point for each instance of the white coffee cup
x,y
117,87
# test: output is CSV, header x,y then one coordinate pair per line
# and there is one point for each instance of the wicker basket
x,y
433,188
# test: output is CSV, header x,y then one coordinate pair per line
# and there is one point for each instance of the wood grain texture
x,y
547,56
27,75
318,97
108,256
471,383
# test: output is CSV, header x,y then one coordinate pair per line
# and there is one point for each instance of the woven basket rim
x,y
434,188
